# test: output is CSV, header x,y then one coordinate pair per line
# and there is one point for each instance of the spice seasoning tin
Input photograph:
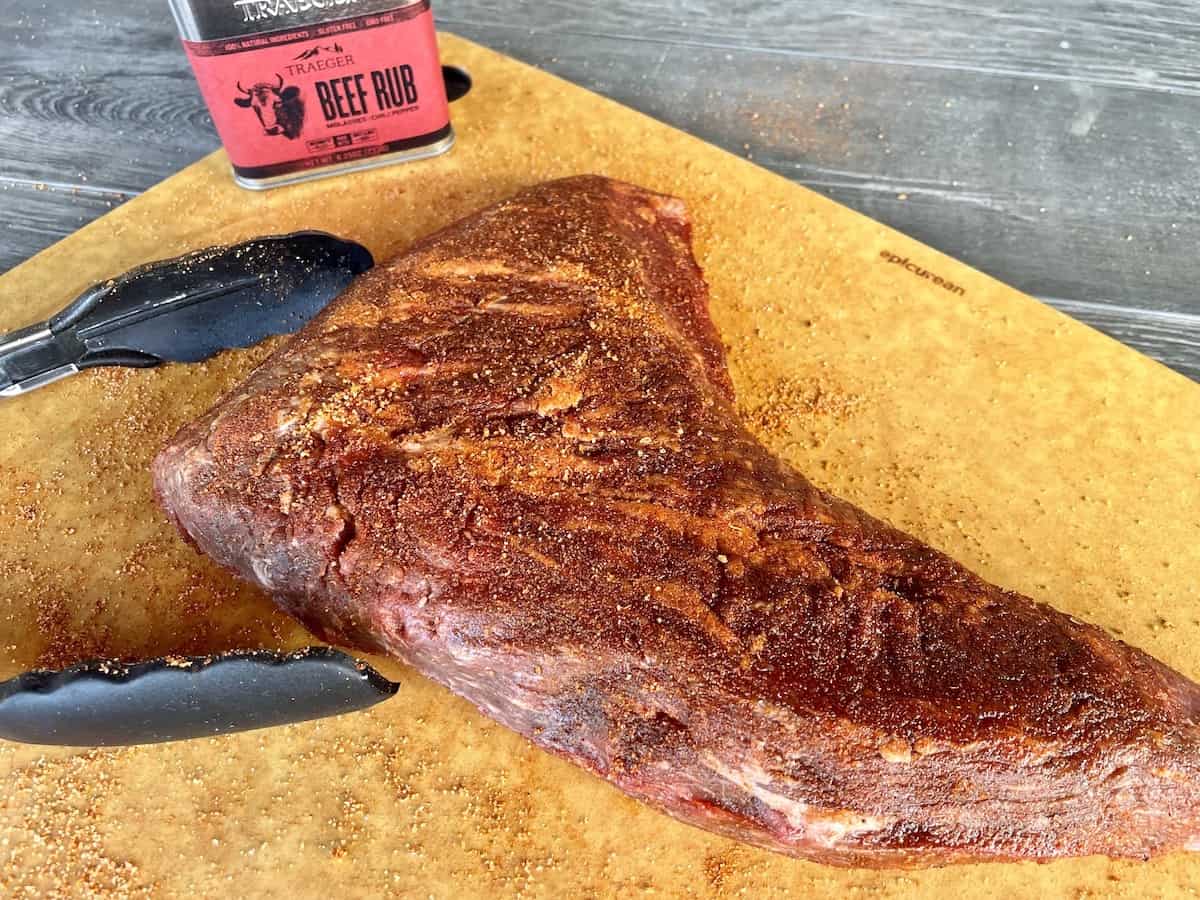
x,y
300,89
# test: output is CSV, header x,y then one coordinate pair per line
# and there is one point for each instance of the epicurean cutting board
x,y
1046,456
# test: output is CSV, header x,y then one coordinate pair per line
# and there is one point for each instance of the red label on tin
x,y
287,101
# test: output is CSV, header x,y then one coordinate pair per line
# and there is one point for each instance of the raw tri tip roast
x,y
511,459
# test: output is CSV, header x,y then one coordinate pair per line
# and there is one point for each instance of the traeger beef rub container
x,y
299,89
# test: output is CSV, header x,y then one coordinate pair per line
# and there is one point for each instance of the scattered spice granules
x,y
790,399
53,846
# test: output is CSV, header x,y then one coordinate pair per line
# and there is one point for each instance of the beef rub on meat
x,y
510,458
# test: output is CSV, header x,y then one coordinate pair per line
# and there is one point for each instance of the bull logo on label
x,y
280,109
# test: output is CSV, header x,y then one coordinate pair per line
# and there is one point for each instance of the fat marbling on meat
x,y
510,458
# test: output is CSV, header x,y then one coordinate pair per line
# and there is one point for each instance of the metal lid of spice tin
x,y
301,89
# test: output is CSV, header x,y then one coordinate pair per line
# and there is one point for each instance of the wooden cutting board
x,y
1046,456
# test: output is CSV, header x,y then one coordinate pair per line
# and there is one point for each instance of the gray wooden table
x,y
1051,143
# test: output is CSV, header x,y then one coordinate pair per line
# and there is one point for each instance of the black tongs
x,y
185,309
104,703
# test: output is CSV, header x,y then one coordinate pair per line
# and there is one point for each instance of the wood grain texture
x,y
1134,43
1052,147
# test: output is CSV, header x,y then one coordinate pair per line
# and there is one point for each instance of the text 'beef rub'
x,y
300,89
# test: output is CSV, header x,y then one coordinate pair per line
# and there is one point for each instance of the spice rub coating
x,y
511,458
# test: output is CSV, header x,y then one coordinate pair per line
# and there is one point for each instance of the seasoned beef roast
x,y
511,459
